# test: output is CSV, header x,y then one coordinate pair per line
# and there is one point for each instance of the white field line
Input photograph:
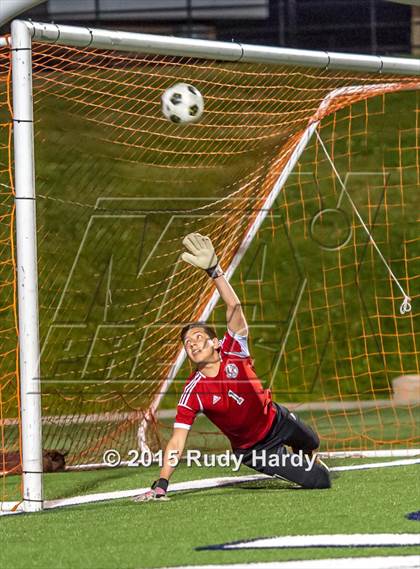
x,y
406,462
334,540
17,507
393,562
104,496
402,452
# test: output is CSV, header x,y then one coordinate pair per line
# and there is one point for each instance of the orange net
x,y
117,188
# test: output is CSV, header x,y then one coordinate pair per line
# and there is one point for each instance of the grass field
x,y
127,535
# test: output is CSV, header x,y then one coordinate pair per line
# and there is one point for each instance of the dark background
x,y
364,26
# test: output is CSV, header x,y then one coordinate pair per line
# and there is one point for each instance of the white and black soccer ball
x,y
182,103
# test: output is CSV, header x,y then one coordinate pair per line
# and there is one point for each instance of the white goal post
x,y
23,33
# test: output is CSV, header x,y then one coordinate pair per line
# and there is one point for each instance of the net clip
x,y
405,305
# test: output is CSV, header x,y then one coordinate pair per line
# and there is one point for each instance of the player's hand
x,y
156,492
201,251
152,494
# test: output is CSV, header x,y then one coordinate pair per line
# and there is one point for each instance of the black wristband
x,y
215,271
161,483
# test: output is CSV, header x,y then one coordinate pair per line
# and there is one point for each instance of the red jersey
x,y
234,400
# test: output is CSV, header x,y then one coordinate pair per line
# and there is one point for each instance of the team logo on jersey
x,y
239,400
232,371
216,399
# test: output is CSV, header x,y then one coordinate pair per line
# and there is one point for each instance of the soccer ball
x,y
182,103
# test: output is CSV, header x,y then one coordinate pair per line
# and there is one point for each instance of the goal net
x,y
293,218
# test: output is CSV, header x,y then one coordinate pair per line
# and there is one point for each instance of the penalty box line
x,y
391,562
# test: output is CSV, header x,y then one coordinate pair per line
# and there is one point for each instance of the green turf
x,y
127,535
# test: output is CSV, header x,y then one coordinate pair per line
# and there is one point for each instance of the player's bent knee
x,y
314,441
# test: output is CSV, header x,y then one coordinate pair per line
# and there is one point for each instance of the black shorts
x,y
287,430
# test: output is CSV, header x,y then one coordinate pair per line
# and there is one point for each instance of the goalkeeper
x,y
225,387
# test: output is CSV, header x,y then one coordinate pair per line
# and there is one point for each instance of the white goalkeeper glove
x,y
201,254
157,492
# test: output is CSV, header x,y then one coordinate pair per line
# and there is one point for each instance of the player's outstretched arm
x,y
173,453
202,255
235,317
